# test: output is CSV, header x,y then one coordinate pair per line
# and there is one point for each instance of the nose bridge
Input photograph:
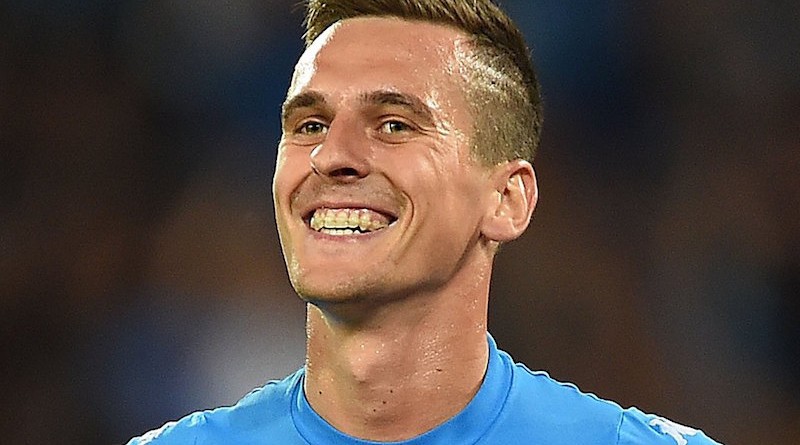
x,y
343,154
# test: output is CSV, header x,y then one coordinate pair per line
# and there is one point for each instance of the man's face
x,y
376,194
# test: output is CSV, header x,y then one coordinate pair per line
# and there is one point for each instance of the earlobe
x,y
516,194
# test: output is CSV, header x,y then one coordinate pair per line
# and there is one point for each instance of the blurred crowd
x,y
141,276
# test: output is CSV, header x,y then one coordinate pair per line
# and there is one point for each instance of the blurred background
x,y
141,276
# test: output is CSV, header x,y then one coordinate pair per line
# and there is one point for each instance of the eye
x,y
394,126
312,127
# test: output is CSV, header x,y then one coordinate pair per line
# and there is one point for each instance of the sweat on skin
x,y
375,124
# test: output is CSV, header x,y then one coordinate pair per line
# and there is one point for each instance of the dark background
x,y
141,277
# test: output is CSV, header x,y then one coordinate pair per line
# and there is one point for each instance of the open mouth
x,y
348,221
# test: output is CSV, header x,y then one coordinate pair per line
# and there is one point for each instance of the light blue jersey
x,y
513,406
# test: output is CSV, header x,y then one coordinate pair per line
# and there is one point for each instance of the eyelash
x,y
315,127
384,127
304,128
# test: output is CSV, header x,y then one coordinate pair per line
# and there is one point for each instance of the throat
x,y
371,386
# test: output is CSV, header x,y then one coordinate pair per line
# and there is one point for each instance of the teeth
x,y
341,219
347,221
364,222
353,219
337,232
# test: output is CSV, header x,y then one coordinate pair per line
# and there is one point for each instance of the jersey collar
x,y
466,427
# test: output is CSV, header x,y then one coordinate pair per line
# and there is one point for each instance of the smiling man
x,y
405,161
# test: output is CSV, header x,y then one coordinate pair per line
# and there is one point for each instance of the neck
x,y
368,381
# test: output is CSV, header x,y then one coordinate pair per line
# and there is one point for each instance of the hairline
x,y
501,86
468,64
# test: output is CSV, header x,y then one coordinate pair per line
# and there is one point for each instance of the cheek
x,y
291,166
447,184
463,201
280,164
450,209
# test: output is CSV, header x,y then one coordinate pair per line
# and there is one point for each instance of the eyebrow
x,y
411,102
310,99
305,99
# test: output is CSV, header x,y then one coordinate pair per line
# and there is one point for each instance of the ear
x,y
515,195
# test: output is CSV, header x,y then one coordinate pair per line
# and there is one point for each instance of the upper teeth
x,y
347,221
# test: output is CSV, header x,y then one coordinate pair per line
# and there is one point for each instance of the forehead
x,y
372,53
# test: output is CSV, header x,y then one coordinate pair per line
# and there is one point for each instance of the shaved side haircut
x,y
500,80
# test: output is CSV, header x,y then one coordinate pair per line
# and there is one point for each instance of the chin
x,y
332,277
330,289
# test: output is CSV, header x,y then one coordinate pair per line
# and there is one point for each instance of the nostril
x,y
339,162
345,172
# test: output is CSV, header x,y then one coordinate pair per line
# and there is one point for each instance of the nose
x,y
343,155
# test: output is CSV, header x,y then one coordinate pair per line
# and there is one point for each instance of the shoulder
x,y
641,428
172,432
544,393
270,403
543,409
566,410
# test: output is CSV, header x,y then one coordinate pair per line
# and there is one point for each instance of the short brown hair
x,y
503,90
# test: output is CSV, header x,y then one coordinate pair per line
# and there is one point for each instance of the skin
x,y
375,119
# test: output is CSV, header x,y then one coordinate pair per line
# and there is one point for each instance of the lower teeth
x,y
338,231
